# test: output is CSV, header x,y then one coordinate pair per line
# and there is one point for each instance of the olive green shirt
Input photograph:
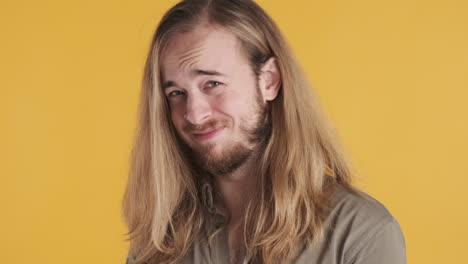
x,y
357,231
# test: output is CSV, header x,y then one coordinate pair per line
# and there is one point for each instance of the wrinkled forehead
x,y
205,47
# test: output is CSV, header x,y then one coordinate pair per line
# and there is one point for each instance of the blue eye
x,y
215,83
175,93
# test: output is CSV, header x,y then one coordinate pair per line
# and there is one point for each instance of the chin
x,y
213,150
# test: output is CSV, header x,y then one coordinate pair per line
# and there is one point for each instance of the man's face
x,y
216,106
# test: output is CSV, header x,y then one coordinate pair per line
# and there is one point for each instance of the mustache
x,y
191,128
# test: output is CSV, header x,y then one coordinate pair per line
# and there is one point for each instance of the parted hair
x,y
302,162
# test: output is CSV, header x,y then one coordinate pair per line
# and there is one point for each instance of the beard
x,y
238,153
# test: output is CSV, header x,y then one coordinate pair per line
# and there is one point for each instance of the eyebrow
x,y
195,72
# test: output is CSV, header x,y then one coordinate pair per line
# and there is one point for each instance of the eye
x,y
175,93
213,84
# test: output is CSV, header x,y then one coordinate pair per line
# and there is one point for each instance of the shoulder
x,y
360,225
129,259
353,209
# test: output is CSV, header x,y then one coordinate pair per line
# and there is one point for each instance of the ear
x,y
270,79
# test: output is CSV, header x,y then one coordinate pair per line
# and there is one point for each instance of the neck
x,y
236,190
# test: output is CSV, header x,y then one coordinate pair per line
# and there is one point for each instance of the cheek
x,y
226,105
234,107
177,118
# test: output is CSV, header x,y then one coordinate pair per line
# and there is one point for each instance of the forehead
x,y
206,48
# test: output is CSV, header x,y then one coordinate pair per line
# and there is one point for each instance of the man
x,y
233,160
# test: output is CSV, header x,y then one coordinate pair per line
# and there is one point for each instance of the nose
x,y
198,109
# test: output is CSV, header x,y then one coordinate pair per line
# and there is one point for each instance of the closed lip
x,y
206,131
207,134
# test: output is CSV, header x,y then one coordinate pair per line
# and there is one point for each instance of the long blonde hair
x,y
302,164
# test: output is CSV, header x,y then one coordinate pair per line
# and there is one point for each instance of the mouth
x,y
207,134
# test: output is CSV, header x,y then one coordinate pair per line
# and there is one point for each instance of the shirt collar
x,y
213,203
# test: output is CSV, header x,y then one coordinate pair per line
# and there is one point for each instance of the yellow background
x,y
391,74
